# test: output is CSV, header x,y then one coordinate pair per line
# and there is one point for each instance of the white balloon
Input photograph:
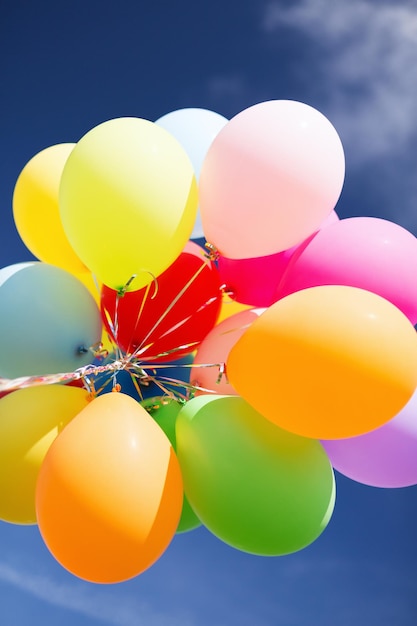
x,y
195,129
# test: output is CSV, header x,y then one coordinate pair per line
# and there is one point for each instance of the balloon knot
x,y
99,352
122,290
222,373
212,253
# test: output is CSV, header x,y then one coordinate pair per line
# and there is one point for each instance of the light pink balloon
x,y
271,176
386,457
215,348
256,281
366,252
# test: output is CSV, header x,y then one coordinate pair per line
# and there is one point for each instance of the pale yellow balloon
x,y
128,201
30,420
36,210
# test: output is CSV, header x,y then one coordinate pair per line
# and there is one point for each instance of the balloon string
x,y
85,374
142,306
187,319
167,310
114,324
147,348
122,290
123,362
96,285
8,384
171,352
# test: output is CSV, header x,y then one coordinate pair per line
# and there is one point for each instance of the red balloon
x,y
168,319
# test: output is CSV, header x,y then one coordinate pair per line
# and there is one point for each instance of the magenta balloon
x,y
366,252
257,281
215,348
271,176
386,457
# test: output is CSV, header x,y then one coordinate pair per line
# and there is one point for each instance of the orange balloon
x,y
109,493
327,362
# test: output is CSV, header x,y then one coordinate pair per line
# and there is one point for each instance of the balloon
x,y
30,419
254,281
89,281
270,178
253,485
327,362
164,411
169,319
109,492
48,321
214,350
366,252
128,201
36,209
195,129
257,281
385,457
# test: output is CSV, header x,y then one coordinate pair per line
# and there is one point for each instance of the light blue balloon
x,y
195,129
48,321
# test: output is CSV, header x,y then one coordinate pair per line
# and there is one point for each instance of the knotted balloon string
x,y
89,375
212,253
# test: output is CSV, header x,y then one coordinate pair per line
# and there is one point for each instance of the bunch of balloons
x,y
151,383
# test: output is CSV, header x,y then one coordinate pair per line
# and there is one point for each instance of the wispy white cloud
x,y
367,52
98,602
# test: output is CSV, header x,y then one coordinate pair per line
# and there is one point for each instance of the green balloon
x,y
188,520
255,486
165,411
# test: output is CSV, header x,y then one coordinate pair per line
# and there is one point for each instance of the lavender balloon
x,y
385,457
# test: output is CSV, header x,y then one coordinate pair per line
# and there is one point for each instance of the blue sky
x,y
67,66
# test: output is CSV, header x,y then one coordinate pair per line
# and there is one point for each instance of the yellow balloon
x,y
128,201
36,209
231,307
93,286
327,362
30,420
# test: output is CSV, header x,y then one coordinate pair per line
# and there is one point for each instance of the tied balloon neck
x,y
154,404
212,253
97,350
121,291
228,292
222,374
